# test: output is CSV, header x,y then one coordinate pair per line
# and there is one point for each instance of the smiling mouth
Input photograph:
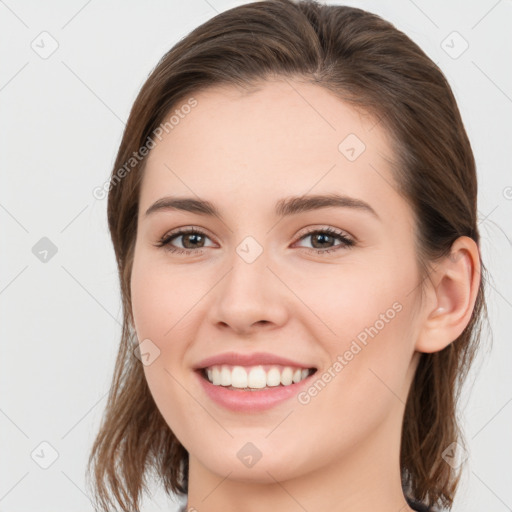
x,y
254,378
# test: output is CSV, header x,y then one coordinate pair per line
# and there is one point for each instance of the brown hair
x,y
367,62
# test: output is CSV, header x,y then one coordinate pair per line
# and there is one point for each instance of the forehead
x,y
280,138
281,115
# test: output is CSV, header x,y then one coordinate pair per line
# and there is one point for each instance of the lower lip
x,y
251,401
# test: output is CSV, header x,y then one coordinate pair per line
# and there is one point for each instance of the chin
x,y
266,470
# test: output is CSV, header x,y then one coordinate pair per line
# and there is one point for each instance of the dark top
x,y
415,505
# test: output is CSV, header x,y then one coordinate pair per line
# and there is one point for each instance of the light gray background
x,y
62,119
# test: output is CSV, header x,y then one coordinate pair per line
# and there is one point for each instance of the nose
x,y
249,297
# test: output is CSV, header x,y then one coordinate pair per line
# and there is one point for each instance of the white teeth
x,y
225,377
287,376
257,378
254,377
274,377
216,376
239,377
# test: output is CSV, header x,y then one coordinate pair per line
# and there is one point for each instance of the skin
x,y
244,152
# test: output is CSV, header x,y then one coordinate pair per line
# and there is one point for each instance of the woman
x,y
293,211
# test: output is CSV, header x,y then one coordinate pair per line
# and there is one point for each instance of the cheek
x,y
364,320
159,297
346,298
365,381
159,301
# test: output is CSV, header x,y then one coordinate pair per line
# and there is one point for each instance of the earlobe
x,y
455,282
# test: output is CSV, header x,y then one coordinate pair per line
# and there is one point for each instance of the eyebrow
x,y
284,207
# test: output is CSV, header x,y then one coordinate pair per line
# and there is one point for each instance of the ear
x,y
451,294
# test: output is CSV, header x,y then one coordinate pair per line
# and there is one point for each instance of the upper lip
x,y
256,358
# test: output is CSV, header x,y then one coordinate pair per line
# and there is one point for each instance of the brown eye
x,y
191,240
323,240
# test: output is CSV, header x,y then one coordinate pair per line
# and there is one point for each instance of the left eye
x,y
327,236
193,240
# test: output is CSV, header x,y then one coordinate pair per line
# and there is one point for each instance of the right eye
x,y
189,236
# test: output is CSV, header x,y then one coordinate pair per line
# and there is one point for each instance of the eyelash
x,y
346,242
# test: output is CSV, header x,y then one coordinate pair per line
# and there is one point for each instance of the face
x,y
330,288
